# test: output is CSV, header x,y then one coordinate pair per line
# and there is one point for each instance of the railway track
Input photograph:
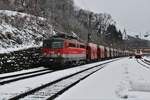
x,y
53,89
146,61
16,77
19,74
143,63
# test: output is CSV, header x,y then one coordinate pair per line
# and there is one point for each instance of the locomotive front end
x,y
52,52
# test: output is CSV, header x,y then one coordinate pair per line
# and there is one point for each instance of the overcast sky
x,y
133,15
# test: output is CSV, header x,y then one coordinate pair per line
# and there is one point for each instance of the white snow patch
x,y
15,13
27,84
20,72
118,81
21,31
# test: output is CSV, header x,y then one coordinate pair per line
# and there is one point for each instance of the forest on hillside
x,y
64,16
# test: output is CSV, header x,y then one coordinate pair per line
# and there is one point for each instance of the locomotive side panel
x,y
75,51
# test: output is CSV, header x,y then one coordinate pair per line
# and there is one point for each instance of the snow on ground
x,y
27,84
14,13
144,63
147,58
21,31
124,79
22,71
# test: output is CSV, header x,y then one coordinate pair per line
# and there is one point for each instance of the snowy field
x,y
22,86
119,80
147,58
123,79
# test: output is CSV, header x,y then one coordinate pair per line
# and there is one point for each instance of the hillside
x,y
20,30
136,43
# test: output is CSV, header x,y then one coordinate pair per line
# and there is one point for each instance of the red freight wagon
x,y
92,52
115,52
100,52
111,52
107,52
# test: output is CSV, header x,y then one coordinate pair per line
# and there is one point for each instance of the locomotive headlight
x,y
58,54
44,54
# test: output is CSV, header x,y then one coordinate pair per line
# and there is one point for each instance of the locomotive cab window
x,y
72,45
82,46
55,44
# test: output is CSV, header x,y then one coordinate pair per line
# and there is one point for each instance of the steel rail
x,y
27,93
24,77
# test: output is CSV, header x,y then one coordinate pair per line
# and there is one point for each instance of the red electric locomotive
x,y
63,50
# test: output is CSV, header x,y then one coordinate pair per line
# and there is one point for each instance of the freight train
x,y
65,50
138,54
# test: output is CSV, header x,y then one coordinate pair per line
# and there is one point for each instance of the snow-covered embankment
x,y
21,31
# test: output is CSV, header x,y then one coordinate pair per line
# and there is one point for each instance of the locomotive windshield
x,y
53,44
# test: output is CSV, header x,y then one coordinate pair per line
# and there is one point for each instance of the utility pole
x,y
89,27
52,11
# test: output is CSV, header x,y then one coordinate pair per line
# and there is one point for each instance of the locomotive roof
x,y
50,39
64,35
60,39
